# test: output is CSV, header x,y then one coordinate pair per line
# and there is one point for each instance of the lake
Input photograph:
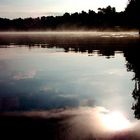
x,y
77,78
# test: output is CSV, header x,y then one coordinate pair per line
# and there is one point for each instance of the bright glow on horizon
x,y
35,8
115,121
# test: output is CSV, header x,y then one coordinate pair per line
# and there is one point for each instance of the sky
x,y
35,8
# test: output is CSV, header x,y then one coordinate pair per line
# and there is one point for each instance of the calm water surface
x,y
51,71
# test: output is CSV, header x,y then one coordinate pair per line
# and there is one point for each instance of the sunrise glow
x,y
115,121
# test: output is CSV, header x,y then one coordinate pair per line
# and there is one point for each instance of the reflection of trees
x,y
91,45
133,57
136,96
130,49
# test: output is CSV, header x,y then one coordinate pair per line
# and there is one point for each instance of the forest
x,y
105,18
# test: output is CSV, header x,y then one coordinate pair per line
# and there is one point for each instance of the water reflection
x,y
83,123
133,65
57,72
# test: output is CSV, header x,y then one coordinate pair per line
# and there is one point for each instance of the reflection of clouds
x,y
81,123
46,89
99,77
55,91
25,75
36,101
117,72
68,96
87,102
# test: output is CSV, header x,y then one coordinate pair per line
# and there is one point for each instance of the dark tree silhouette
x,y
105,18
133,57
132,12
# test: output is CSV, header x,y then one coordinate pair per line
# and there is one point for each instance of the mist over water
x,y
74,85
76,33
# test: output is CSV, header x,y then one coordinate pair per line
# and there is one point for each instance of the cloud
x,y
25,75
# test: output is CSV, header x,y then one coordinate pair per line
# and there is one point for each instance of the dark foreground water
x,y
70,86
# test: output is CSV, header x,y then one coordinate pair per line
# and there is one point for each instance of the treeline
x,y
105,18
